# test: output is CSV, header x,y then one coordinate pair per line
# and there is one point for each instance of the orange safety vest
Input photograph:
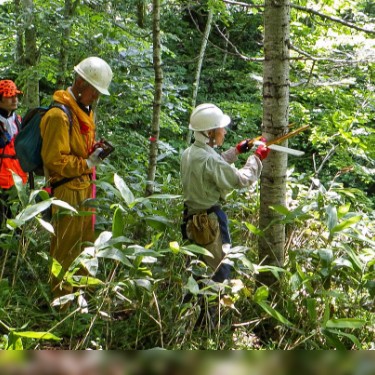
x,y
9,163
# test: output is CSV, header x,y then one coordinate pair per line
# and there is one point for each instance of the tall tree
x,y
275,123
141,13
20,36
69,9
31,91
155,131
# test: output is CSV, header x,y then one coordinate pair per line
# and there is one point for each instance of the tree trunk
x,y
69,9
275,123
154,138
20,33
202,52
141,13
31,91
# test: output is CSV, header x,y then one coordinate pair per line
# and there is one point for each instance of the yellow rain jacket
x,y
64,153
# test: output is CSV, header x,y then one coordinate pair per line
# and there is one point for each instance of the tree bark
x,y
20,34
275,123
31,91
155,131
141,13
69,9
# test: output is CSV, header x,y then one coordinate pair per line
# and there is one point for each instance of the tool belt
x,y
202,229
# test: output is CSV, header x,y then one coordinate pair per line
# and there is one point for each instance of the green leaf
x,y
103,239
326,255
192,286
46,225
126,193
356,262
345,224
273,269
144,283
63,300
343,210
57,269
246,262
163,196
141,251
345,323
253,229
37,335
311,308
174,247
332,217
350,337
14,342
275,314
67,206
362,238
118,224
261,294
333,339
158,222
21,189
342,262
85,281
31,211
281,209
114,254
195,249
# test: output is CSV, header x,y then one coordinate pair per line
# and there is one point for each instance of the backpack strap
x,y
66,110
18,120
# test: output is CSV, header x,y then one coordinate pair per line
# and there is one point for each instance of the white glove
x,y
94,159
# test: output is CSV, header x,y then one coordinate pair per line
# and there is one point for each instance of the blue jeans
x,y
224,270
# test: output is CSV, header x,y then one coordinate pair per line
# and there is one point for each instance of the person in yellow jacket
x,y
9,127
69,156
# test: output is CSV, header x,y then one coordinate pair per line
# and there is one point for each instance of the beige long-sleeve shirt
x,y
208,177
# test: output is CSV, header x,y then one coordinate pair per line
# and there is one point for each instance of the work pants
x,y
218,218
70,232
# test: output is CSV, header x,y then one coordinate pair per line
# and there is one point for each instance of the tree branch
x,y
237,52
332,18
330,59
308,10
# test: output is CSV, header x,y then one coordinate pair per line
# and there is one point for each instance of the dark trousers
x,y
224,270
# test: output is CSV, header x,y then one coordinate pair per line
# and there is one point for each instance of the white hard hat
x,y
208,116
96,72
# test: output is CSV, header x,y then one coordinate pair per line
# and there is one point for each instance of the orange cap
x,y
8,88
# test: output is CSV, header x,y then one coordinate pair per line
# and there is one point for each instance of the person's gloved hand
x,y
243,146
262,151
94,159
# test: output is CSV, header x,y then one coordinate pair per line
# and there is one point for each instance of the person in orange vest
x,y
9,127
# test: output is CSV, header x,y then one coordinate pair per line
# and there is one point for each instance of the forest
x,y
303,236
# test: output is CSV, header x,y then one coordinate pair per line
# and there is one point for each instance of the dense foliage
x,y
140,268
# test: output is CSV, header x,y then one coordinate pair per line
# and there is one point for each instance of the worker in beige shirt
x,y
207,177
